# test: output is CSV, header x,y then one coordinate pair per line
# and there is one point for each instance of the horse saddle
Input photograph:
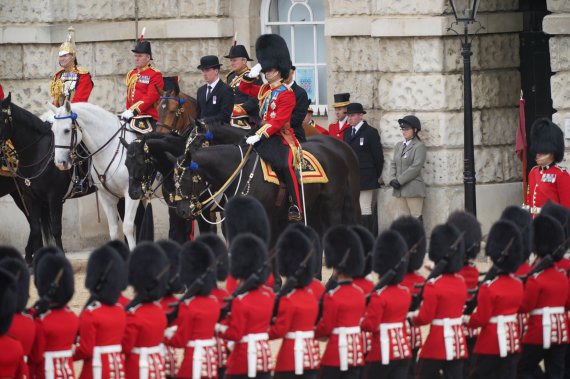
x,y
141,124
313,171
8,159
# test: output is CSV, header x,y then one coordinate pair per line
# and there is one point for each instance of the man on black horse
x,y
274,141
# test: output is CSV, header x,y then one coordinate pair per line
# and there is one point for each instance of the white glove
x,y
252,139
127,115
170,331
254,72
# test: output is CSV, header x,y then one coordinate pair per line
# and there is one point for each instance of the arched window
x,y
302,24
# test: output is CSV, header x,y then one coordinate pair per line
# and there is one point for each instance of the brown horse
x,y
176,111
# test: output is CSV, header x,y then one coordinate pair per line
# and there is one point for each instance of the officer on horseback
x,y
274,140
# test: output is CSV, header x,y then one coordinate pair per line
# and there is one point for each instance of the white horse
x,y
100,131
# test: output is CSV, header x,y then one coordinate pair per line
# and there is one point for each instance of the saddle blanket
x,y
312,170
8,159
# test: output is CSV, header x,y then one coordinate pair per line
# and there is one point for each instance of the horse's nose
x,y
62,165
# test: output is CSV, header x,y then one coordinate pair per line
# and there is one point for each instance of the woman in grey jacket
x,y
406,168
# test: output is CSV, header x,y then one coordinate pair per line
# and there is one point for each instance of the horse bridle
x,y
195,204
179,112
73,141
148,172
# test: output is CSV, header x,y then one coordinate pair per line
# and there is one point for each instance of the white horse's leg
x,y
129,220
109,204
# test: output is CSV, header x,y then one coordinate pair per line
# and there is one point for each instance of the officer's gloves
x,y
127,115
394,183
255,71
253,139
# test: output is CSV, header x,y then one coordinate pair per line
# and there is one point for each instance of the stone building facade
x,y
395,57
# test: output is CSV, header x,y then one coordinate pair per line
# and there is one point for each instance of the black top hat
x,y
238,51
209,61
410,121
143,48
355,108
341,99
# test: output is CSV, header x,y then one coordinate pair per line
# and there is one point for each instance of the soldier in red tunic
x,y
498,301
341,101
562,215
342,307
102,322
545,299
443,301
123,250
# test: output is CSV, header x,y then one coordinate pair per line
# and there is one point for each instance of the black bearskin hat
x,y
413,232
315,239
292,249
523,220
9,252
272,52
8,300
18,268
245,214
546,137
389,250
148,271
442,239
247,255
172,250
40,254
120,247
367,240
548,237
468,223
48,268
107,270
338,241
562,215
195,259
220,251
506,258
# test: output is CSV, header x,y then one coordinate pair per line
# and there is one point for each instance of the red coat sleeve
x,y
283,321
131,333
236,322
87,332
83,89
428,307
185,324
39,346
530,297
563,185
484,309
374,314
328,321
1,93
249,88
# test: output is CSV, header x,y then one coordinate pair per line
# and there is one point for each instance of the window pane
x,y
322,84
300,13
304,44
285,32
318,9
321,45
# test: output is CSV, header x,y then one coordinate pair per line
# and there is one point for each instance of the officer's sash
x,y
268,100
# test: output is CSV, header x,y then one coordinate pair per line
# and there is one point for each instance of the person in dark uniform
x,y
302,104
365,141
215,98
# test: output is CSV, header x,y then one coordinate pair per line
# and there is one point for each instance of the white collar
x,y
357,126
343,121
214,84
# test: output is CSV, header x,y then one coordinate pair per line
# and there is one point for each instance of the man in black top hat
x,y
215,98
245,112
341,101
301,106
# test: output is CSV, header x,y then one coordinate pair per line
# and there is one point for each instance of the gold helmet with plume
x,y
68,46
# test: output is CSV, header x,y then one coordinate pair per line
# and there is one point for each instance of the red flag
x,y
520,147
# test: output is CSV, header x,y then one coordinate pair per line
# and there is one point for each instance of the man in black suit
x,y
301,106
215,98
365,141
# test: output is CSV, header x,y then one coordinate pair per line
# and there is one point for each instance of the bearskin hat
x,y
443,237
9,252
292,249
220,251
313,236
107,270
195,259
48,268
548,237
148,271
413,232
389,249
172,250
245,214
523,220
272,52
18,268
546,137
339,241
506,258
562,215
120,247
8,300
468,223
247,255
40,254
367,240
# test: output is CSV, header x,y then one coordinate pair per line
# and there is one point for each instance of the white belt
x,y
198,355
546,312
448,333
49,356
501,321
251,340
143,353
342,333
299,347
385,339
97,363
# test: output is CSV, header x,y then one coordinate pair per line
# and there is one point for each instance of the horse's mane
x,y
22,116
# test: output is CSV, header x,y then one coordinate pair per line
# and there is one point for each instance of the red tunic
x,y
145,329
470,275
342,307
12,364
499,297
385,318
23,329
317,289
564,264
1,93
297,313
366,286
170,361
141,92
195,324
444,298
231,283
221,344
524,269
124,301
336,130
321,129
544,184
75,85
414,332
100,327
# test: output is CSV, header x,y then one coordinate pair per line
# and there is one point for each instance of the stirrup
x,y
294,214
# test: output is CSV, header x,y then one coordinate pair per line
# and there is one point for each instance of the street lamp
x,y
465,12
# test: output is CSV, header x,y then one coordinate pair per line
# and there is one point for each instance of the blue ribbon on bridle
x,y
72,116
179,99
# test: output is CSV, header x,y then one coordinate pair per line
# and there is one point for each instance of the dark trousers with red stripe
x,y
493,367
532,355
439,368
394,370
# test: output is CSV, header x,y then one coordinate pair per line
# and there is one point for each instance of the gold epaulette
x,y
262,93
128,76
82,70
152,68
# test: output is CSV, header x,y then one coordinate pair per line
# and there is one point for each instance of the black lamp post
x,y
465,12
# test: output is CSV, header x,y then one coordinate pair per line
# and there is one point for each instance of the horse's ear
x,y
159,90
51,107
67,106
176,89
171,157
124,142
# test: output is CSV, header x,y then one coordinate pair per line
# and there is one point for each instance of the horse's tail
x,y
348,209
146,232
45,222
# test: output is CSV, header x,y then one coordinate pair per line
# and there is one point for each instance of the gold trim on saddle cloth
x,y
312,170
141,124
8,160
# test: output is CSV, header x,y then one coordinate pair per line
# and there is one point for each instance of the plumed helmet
x,y
367,240
442,241
546,137
106,275
522,219
468,223
247,255
245,214
18,268
196,259
49,268
315,239
292,250
220,251
562,215
413,232
272,52
148,271
504,246
343,250
548,237
389,249
8,300
172,250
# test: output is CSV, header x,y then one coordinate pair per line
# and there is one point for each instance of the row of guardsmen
x,y
500,327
